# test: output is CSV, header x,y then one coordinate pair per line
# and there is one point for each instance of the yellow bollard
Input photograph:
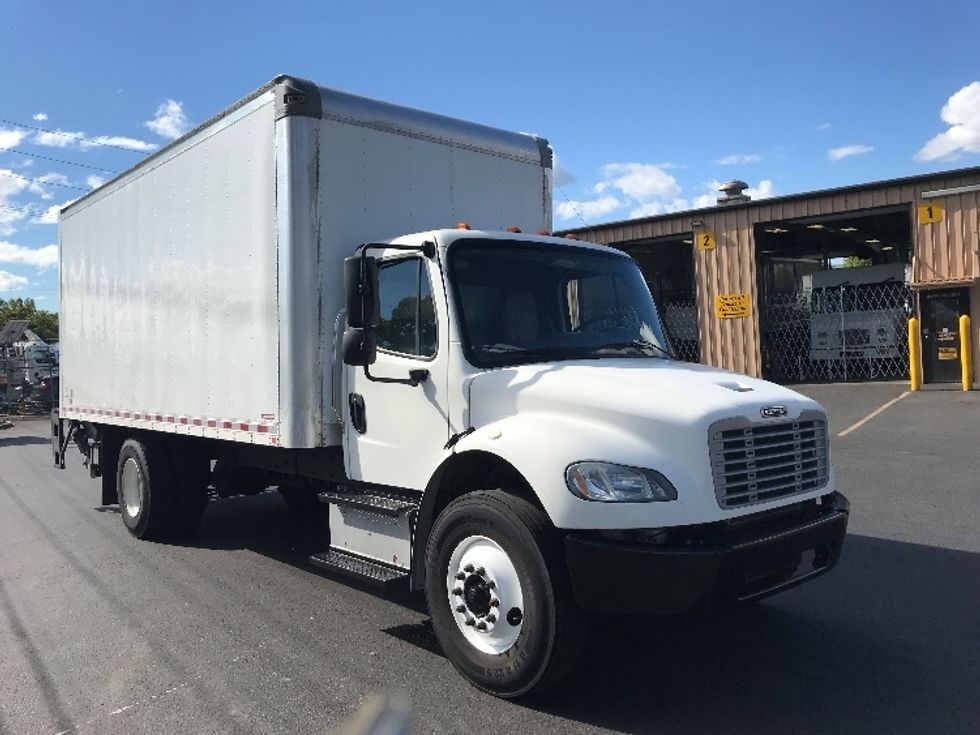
x,y
915,355
966,353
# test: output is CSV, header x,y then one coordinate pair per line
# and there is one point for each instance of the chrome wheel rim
x,y
484,592
131,486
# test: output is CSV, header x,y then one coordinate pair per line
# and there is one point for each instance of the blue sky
x,y
647,104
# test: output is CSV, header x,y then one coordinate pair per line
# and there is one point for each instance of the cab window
x,y
408,320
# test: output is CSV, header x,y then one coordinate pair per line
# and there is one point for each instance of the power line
x,y
40,180
25,210
71,136
58,160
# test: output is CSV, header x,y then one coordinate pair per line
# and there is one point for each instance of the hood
x,y
647,388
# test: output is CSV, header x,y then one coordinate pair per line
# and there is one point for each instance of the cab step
x,y
351,565
371,502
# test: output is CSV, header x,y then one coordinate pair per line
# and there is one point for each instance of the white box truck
x,y
493,418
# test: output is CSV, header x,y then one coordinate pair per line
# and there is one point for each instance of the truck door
x,y
395,433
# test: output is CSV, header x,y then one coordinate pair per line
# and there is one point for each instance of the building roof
x,y
852,188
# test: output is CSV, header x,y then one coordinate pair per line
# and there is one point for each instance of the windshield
x,y
525,302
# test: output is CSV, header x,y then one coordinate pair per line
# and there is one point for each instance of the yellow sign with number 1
x,y
930,214
706,241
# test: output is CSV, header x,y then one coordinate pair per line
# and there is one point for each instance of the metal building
x,y
817,286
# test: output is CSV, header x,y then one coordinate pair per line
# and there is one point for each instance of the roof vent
x,y
734,192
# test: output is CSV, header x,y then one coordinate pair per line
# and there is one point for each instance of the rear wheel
x,y
145,486
498,594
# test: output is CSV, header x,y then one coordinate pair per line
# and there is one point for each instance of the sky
x,y
648,105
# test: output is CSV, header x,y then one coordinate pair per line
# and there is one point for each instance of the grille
x,y
753,463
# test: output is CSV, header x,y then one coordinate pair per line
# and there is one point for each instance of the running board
x,y
370,502
351,565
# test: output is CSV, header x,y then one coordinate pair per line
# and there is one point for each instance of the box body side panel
x,y
169,288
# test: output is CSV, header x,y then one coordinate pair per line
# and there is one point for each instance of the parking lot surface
x,y
232,632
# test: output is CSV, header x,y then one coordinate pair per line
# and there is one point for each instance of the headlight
x,y
613,483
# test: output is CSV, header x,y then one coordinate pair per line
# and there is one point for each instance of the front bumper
x,y
746,559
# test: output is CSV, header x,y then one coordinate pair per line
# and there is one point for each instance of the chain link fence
x,y
837,333
26,387
681,322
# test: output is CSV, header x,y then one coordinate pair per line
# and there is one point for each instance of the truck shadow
x,y
888,640
22,441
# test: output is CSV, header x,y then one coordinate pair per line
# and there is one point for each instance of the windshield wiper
x,y
639,344
543,352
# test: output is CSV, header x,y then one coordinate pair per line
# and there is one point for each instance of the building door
x,y
941,312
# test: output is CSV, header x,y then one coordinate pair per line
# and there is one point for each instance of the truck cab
x,y
535,371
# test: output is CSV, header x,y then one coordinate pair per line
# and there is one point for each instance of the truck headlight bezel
x,y
607,482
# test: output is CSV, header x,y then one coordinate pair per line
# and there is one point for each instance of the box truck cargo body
x,y
281,299
204,285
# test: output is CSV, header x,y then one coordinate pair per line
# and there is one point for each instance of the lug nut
x,y
468,568
460,576
481,571
458,591
494,602
491,584
461,608
481,625
491,618
470,621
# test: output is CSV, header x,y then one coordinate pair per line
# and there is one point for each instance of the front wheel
x,y
498,594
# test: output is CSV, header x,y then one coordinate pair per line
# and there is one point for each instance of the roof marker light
x,y
462,226
513,228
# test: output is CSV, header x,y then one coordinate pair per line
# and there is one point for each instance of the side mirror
x,y
359,347
361,291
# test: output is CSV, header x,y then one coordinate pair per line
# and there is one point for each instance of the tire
x,y
492,546
145,483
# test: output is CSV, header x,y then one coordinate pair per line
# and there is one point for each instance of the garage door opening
x,y
834,296
668,268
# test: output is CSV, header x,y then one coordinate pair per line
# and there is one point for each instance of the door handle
x,y
358,412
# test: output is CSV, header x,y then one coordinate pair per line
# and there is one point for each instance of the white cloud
x,y
588,209
94,182
11,138
824,126
58,138
764,190
10,186
738,159
43,258
131,144
11,282
962,113
50,216
170,121
37,186
41,116
651,209
641,181
705,200
836,154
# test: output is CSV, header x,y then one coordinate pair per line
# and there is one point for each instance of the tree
x,y
45,323
856,261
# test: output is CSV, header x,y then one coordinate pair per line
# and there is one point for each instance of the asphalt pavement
x,y
232,632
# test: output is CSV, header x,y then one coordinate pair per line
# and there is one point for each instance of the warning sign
x,y
947,353
706,241
732,305
930,214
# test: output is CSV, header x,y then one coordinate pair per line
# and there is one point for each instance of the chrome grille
x,y
753,463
